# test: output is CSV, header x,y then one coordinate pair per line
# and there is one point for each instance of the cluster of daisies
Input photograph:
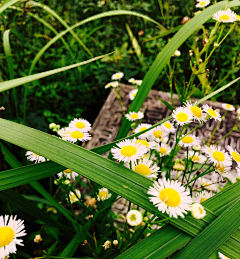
x,y
145,155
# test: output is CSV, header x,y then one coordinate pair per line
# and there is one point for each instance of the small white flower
x,y
206,184
80,124
198,211
142,127
132,94
211,113
103,194
131,80
133,116
127,150
177,53
170,197
115,84
163,149
203,196
134,218
234,154
138,82
68,174
73,135
196,158
225,16
73,197
33,157
10,230
217,156
117,76
146,167
157,134
182,116
189,141
168,127
106,245
108,85
222,170
228,107
197,112
202,4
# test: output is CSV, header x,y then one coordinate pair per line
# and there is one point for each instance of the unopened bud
x,y
215,45
178,160
146,219
200,61
56,182
115,242
196,148
38,239
66,182
52,126
190,52
179,167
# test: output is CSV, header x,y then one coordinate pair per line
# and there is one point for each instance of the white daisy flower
x,y
127,150
131,80
68,173
133,93
103,194
164,149
170,197
222,170
107,245
141,127
177,53
146,167
182,116
133,116
115,84
202,4
211,113
73,135
11,229
222,256
196,158
138,82
228,107
117,76
168,127
148,144
80,124
206,184
157,134
198,211
74,198
203,196
197,112
189,141
234,154
134,218
225,16
217,156
33,157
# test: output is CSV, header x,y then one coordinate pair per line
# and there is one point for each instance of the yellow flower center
x,y
197,112
134,94
200,210
205,185
167,125
134,116
80,125
202,200
128,151
220,168
142,169
157,134
35,154
142,142
203,3
236,156
6,237
73,198
219,156
170,196
143,128
187,139
117,76
103,195
238,16
182,117
212,113
77,134
67,171
195,158
224,17
163,150
133,217
228,106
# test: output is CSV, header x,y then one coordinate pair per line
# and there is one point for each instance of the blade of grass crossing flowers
x,y
162,58
14,163
8,4
8,52
92,18
23,80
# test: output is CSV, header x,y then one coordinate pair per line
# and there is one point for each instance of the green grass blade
x,y
162,58
23,80
92,18
134,41
54,14
8,4
214,235
71,248
8,52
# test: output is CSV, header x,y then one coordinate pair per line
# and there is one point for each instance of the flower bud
x,y
52,126
115,242
66,182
